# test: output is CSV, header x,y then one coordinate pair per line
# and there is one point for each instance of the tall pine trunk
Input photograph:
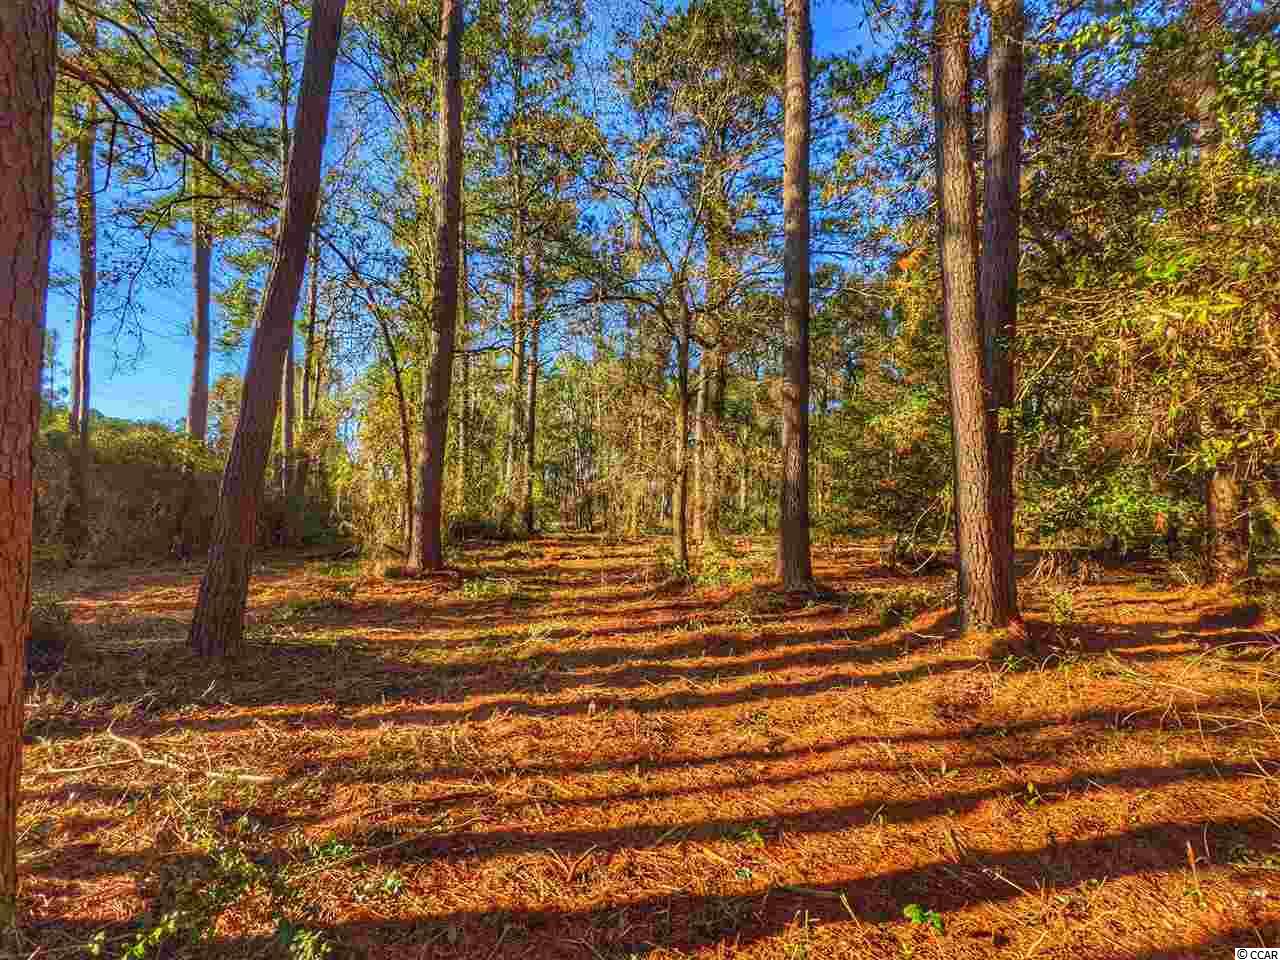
x,y
73,401
87,210
217,629
983,597
201,277
700,434
795,566
28,33
531,417
464,414
710,423
998,282
406,437
515,389
303,468
519,279
428,538
1227,538
288,414
680,492
286,426
198,393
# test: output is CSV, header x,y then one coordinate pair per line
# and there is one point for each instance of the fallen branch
x,y
140,757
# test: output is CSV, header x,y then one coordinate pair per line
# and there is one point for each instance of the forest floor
x,y
548,754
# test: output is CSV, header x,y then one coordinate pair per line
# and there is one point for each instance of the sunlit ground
x,y
554,754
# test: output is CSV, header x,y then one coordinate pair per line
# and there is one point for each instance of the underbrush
x,y
223,868
53,636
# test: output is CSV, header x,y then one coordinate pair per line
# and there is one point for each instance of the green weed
x,y
921,916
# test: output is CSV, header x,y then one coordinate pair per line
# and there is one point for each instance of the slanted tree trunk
x,y
87,209
428,538
28,33
795,566
217,629
998,286
983,595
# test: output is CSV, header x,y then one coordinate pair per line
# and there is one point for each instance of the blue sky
x,y
149,381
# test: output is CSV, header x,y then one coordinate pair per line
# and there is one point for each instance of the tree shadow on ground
x,y
840,720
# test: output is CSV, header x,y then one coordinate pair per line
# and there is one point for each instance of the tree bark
x,y
427,535
303,468
998,287
531,415
28,33
201,275
515,440
198,394
711,416
709,468
1227,524
516,375
795,566
680,491
464,415
287,425
519,239
983,598
217,628
406,439
87,210
1226,493
700,434
73,401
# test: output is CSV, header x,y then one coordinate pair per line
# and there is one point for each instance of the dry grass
x,y
545,756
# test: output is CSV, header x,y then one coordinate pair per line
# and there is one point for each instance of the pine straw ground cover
x,y
547,756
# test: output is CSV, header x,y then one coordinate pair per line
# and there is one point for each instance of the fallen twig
x,y
140,757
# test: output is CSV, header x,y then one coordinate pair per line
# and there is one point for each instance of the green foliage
x,y
1126,505
668,568
226,874
488,588
750,836
716,568
1062,608
920,916
901,604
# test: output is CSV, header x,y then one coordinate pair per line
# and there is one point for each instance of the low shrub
x,y
53,635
